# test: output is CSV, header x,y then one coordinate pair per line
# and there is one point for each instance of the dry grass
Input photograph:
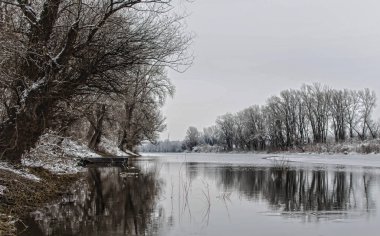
x,y
23,196
362,147
7,227
351,146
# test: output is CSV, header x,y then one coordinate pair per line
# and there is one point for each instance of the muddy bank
x,y
21,195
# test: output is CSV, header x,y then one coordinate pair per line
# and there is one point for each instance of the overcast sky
x,y
248,50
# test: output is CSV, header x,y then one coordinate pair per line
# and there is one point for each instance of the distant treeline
x,y
162,146
311,115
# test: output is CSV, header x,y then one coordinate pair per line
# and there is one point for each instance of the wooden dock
x,y
101,161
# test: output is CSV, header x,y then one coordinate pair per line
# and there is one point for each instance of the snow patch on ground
x,y
2,189
74,149
22,172
58,166
369,160
60,154
110,147
57,154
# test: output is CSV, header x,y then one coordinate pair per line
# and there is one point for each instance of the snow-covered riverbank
x,y
348,147
368,160
45,172
352,159
60,154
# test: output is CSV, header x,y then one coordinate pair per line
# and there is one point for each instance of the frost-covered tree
x,y
275,122
54,51
352,104
339,112
192,138
316,99
255,130
162,146
368,103
210,135
141,118
250,129
227,130
298,117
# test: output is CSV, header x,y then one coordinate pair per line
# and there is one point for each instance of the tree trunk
x,y
123,140
96,129
22,131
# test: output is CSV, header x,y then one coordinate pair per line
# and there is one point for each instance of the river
x,y
217,194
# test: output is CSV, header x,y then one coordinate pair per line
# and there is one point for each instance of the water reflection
x,y
135,201
300,190
111,200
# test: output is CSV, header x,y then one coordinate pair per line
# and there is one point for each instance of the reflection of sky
x,y
247,51
254,208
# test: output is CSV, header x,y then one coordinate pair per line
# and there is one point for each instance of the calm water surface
x,y
209,194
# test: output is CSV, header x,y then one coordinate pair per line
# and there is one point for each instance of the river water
x,y
215,194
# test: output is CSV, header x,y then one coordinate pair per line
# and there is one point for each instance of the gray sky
x,y
247,50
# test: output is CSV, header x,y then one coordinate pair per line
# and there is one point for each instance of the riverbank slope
x,y
45,173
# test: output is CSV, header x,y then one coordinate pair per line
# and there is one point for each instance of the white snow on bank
x,y
369,160
74,149
110,147
261,159
57,154
60,154
2,189
22,172
58,165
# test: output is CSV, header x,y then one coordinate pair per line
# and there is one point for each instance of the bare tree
x,y
96,119
352,104
297,117
55,50
251,129
227,128
275,122
192,138
141,119
210,135
316,99
339,110
368,103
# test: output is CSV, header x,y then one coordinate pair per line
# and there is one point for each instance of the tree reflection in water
x,y
298,189
112,202
108,201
